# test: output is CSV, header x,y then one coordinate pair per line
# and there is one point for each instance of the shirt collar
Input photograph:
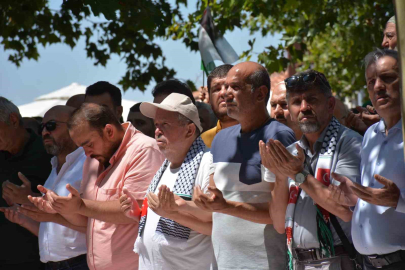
x,y
218,127
381,126
70,158
129,132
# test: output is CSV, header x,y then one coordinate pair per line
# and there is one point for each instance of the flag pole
x,y
400,24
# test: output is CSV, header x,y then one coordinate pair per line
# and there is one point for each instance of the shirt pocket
x,y
110,194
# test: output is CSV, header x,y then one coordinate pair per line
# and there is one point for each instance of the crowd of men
x,y
308,185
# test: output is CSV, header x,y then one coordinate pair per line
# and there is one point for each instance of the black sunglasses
x,y
50,125
306,79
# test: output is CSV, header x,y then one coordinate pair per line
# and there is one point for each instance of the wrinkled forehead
x,y
390,27
382,65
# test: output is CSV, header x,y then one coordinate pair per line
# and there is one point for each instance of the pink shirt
x,y
110,246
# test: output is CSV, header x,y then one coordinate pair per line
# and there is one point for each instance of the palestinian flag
x,y
212,45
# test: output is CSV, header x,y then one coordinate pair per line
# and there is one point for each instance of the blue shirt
x,y
239,174
378,229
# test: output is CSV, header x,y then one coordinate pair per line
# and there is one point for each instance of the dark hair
x,y
172,86
97,116
373,56
102,87
320,83
135,108
259,78
218,72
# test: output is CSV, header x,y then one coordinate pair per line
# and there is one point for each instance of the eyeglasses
x,y
306,79
50,125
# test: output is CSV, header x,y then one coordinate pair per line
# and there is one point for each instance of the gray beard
x,y
309,127
52,149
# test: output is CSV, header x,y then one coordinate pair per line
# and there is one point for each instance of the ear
x,y
109,131
331,104
14,120
191,130
119,110
262,93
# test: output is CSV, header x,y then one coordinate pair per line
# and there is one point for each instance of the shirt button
x,y
378,163
361,226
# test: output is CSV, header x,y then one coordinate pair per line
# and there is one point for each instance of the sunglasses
x,y
306,79
50,125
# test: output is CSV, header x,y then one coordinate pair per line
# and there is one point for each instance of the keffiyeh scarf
x,y
322,174
183,187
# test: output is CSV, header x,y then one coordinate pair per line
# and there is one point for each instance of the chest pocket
x,y
250,172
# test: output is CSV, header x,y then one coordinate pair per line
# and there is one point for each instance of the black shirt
x,y
18,245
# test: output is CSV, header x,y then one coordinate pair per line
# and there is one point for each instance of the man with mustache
x,y
318,229
242,234
119,159
279,108
21,150
216,92
60,247
380,199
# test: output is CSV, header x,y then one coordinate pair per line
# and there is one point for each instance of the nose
x,y
45,131
229,93
379,85
385,43
304,105
222,92
279,110
158,132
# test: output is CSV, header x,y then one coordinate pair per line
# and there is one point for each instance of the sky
x,y
59,66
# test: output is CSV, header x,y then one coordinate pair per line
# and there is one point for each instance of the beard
x,y
52,149
309,127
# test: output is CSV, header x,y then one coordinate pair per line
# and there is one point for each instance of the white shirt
x,y
378,229
197,252
57,242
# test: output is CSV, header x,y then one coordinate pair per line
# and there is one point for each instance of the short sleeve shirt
x,y
109,245
239,174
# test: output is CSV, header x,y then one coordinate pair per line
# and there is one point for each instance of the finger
x,y
301,154
42,189
128,193
24,179
30,208
361,109
381,179
72,190
361,194
340,178
123,198
215,191
273,152
10,186
283,151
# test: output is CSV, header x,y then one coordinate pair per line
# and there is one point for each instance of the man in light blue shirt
x,y
379,214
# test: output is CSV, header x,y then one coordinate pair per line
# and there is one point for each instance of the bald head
x,y
59,113
76,101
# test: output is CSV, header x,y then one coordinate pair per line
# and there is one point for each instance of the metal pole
x,y
400,24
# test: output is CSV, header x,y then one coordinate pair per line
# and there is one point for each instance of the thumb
x,y
382,180
301,154
361,109
72,190
24,179
338,177
42,189
126,192
215,191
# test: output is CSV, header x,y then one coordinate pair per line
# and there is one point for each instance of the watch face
x,y
300,178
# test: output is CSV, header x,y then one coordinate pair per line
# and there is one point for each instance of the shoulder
x,y
349,137
277,131
140,141
225,135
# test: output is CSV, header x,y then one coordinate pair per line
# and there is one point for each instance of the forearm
x,y
109,211
321,195
278,203
32,226
191,222
77,219
255,212
192,209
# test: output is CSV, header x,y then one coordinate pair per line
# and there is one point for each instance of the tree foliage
x,y
331,36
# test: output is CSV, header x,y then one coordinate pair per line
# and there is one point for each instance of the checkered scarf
x,y
183,187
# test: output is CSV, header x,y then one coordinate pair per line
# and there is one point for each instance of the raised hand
x,y
17,194
129,205
12,215
35,214
343,194
385,196
169,202
44,203
267,160
213,202
67,204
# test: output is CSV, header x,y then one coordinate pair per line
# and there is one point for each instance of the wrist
x,y
227,206
81,209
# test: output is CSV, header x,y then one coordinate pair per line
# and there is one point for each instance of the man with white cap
x,y
173,232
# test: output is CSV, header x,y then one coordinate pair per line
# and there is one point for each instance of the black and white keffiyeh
x,y
183,187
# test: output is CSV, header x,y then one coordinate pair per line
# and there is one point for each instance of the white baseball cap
x,y
174,102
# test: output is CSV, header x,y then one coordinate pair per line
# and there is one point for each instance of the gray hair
x,y
392,20
185,121
6,109
373,56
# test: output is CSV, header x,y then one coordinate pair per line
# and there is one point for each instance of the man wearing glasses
x,y
21,150
317,228
62,245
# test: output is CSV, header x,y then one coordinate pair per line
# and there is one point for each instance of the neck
x,y
254,120
391,121
20,137
179,155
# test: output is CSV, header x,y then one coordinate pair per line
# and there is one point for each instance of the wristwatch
x,y
301,177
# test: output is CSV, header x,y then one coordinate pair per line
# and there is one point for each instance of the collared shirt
x,y
109,245
33,162
209,135
345,161
57,242
239,174
378,229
